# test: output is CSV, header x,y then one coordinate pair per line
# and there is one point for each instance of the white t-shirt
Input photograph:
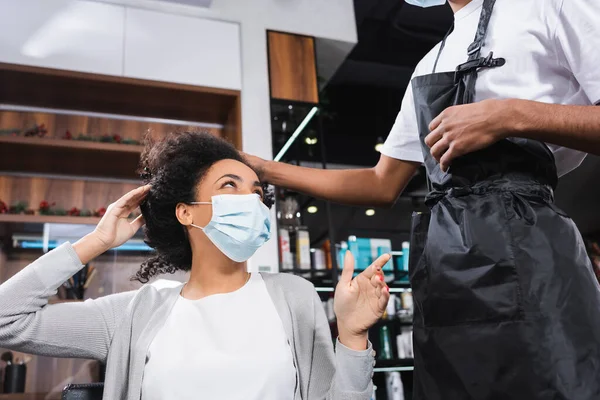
x,y
552,52
226,346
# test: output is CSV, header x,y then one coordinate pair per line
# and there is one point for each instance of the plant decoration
x,y
41,131
10,132
37,130
18,208
3,208
47,208
102,139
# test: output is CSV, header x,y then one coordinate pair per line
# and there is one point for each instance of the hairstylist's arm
x,y
377,186
81,330
359,303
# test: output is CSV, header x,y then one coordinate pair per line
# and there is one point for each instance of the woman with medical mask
x,y
225,333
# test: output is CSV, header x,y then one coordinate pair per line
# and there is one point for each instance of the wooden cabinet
x,y
181,49
292,67
73,35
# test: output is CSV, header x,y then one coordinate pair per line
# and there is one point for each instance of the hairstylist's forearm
x,y
576,127
378,186
88,248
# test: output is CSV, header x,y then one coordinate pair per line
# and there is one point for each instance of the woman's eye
x,y
259,193
229,185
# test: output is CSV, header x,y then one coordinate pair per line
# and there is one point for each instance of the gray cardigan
x,y
118,329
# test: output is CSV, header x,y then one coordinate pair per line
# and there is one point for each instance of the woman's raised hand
x,y
114,228
360,302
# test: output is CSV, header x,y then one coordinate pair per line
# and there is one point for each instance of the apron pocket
x,y
469,268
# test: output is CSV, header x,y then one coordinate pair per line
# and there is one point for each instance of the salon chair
x,y
88,391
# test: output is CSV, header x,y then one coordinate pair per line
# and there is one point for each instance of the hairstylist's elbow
x,y
379,192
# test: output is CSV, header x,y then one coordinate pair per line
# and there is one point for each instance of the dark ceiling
x,y
361,102
366,92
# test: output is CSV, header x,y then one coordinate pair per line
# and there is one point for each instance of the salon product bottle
x,y
395,389
318,259
385,344
285,252
14,374
405,255
303,249
407,301
327,250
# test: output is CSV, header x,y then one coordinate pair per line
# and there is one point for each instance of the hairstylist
x,y
507,306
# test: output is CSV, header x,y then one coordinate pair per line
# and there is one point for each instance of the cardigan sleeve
x,y
79,330
341,375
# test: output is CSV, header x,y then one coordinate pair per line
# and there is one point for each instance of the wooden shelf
x,y
71,144
66,157
77,91
42,219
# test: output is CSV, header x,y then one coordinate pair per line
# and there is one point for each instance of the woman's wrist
x,y
89,247
357,341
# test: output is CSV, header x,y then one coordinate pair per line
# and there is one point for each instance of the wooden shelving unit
x,y
69,144
90,175
69,157
43,219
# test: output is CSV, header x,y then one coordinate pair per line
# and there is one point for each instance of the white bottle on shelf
x,y
395,389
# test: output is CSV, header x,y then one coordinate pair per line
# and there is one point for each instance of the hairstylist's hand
x,y
257,163
360,302
114,228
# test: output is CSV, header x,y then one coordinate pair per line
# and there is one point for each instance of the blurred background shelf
x,y
396,363
65,157
50,219
7,141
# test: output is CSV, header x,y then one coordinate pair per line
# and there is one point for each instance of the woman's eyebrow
x,y
231,176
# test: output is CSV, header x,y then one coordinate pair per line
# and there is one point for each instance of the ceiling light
x,y
370,212
311,140
312,209
379,145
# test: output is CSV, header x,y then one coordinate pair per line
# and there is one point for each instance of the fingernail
x,y
381,278
387,288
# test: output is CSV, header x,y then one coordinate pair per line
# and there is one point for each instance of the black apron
x,y
506,303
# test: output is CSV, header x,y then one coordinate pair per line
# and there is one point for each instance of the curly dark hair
x,y
174,166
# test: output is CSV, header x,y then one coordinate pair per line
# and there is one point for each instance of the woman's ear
x,y
183,214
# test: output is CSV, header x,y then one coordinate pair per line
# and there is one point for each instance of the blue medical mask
x,y
240,224
426,3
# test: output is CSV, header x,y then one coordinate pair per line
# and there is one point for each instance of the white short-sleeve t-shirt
x,y
552,55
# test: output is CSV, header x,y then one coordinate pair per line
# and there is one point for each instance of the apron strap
x,y
474,51
437,58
